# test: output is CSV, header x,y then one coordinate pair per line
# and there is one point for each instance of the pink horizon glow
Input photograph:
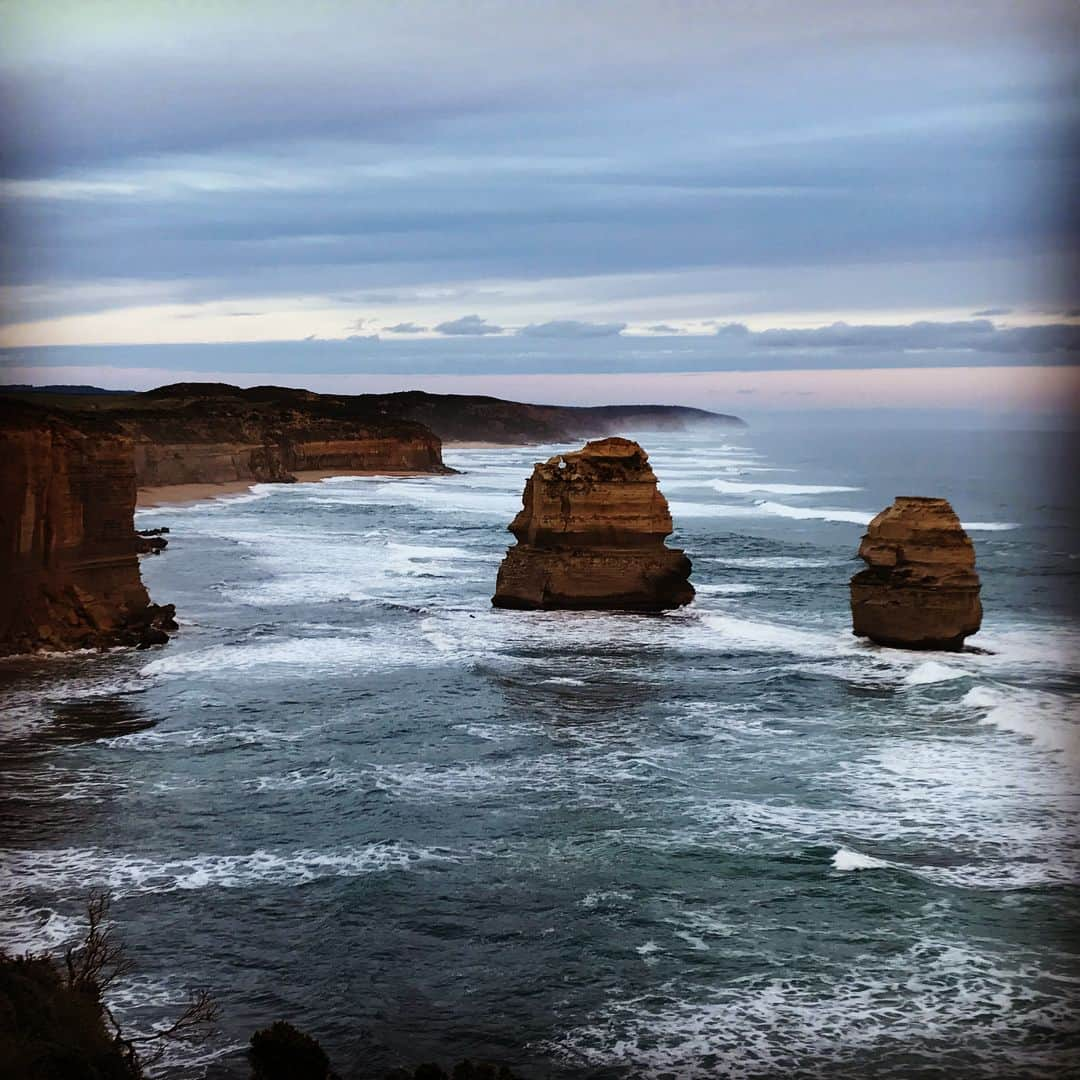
x,y
1041,389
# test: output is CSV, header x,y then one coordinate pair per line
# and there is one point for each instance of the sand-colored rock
x,y
591,534
920,589
68,547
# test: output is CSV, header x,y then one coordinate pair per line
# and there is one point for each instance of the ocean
x,y
729,841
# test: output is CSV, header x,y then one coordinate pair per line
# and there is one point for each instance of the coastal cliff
x,y
281,413
466,418
71,467
68,546
208,433
920,589
591,534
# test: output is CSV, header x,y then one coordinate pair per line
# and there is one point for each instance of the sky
x,y
643,199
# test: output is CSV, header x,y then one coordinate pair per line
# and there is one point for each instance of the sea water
x,y
732,840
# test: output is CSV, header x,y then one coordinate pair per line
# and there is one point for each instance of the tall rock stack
x,y
920,589
591,534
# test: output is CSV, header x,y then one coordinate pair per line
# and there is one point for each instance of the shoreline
x,y
478,444
157,496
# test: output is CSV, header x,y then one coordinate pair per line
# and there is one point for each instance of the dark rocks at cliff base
x,y
920,589
151,542
591,536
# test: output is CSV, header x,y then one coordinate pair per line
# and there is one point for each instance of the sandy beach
x,y
476,445
178,494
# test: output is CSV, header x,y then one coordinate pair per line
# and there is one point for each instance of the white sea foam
x,y
931,671
840,515
213,503
774,562
584,769
604,898
447,495
814,513
211,737
70,870
732,632
847,859
327,778
758,1025
736,487
728,589
37,929
293,657
1048,720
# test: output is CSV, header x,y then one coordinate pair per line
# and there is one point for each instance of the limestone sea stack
x,y
590,535
920,589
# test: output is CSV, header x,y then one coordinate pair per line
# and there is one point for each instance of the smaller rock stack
x,y
920,589
591,535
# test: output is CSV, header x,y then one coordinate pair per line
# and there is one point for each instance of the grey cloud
x,y
405,328
468,325
286,156
663,328
974,335
572,328
990,312
362,337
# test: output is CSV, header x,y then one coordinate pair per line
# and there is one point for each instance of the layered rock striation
x,y
68,546
591,534
192,433
920,589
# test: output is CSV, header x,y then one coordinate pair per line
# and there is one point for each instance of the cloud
x,y
362,337
733,330
989,312
972,335
572,328
343,179
468,325
663,328
357,325
405,328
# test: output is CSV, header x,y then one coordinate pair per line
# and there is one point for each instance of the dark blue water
x,y
729,841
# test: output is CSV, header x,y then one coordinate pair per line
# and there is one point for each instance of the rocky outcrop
x,y
68,547
591,534
920,589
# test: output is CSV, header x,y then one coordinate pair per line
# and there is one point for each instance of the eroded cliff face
x,y
591,534
68,548
209,435
920,589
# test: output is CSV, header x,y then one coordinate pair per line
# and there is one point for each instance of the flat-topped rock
x,y
920,589
591,534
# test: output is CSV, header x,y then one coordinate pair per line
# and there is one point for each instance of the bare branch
x,y
199,1014
98,960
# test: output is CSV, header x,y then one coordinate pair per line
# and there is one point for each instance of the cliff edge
x,y
68,546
